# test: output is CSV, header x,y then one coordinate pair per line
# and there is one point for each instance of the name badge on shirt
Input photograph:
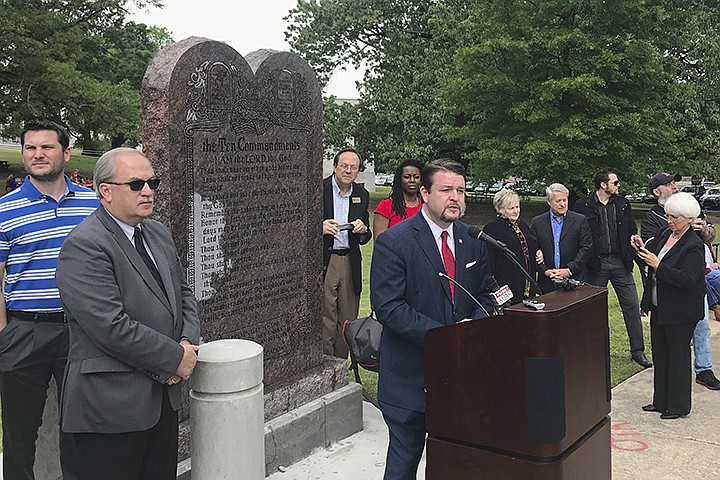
x,y
355,199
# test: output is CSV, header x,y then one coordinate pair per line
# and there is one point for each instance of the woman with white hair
x,y
674,296
510,229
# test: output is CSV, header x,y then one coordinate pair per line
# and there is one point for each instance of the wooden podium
x,y
522,396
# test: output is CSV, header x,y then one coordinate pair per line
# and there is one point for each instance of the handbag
x,y
362,336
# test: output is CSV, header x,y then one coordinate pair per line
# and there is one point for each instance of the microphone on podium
x,y
567,283
457,284
478,234
501,295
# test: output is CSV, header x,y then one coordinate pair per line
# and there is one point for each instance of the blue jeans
x,y
701,343
712,282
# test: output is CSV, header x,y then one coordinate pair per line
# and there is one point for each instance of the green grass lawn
x,y
83,164
621,365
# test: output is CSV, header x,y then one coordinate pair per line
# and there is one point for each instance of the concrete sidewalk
x,y
644,447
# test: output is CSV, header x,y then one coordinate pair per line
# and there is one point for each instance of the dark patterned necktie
x,y
449,261
140,247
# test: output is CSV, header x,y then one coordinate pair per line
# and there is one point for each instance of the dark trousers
x,y
613,269
147,455
34,352
672,380
407,441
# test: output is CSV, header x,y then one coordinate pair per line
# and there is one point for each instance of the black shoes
x,y
664,415
670,416
641,359
707,378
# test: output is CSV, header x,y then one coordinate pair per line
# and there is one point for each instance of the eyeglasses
x,y
137,185
616,182
345,166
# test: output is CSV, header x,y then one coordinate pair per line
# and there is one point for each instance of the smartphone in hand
x,y
638,243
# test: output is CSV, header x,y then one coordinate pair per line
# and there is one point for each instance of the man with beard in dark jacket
x,y
611,221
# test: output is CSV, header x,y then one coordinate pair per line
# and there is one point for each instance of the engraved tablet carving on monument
x,y
209,226
278,98
215,88
247,144
220,91
285,92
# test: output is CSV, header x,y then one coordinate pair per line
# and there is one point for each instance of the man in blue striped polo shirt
x,y
34,221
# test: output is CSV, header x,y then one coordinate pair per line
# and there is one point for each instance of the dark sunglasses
x,y
137,185
616,183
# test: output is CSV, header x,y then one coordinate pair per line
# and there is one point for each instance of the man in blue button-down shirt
x,y
564,238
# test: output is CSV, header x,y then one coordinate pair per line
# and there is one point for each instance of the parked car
x,y
523,188
481,187
711,199
635,197
694,190
496,187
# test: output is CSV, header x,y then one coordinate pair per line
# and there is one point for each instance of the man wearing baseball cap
x,y
662,186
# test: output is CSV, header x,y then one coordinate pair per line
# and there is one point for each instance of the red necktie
x,y
449,262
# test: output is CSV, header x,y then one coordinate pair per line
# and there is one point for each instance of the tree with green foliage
x,y
399,114
556,90
77,62
339,122
549,90
693,42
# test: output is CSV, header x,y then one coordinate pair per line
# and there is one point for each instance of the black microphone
x,y
567,283
478,234
457,284
501,295
475,232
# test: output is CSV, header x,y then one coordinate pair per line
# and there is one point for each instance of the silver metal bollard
x,y
227,413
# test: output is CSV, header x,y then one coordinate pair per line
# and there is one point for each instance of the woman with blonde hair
x,y
510,229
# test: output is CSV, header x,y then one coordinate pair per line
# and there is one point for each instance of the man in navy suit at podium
x,y
411,298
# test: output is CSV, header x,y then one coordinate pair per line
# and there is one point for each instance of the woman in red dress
x,y
404,200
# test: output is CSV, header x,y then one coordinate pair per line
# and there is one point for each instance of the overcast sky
x,y
245,28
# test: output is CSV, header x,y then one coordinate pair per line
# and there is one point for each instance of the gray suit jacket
x,y
124,333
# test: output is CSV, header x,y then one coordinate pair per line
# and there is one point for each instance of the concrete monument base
x,y
317,424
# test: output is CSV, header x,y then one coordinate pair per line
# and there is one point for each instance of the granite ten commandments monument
x,y
237,143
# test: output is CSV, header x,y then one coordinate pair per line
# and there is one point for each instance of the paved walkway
x,y
643,446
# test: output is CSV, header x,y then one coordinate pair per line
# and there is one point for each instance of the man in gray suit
x,y
133,328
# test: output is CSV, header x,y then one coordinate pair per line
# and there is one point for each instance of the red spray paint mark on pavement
x,y
621,437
